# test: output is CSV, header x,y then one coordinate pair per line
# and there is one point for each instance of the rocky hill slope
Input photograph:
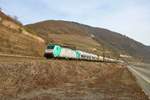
x,y
112,42
14,39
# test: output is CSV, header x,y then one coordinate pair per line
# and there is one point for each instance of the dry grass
x,y
15,42
66,80
14,39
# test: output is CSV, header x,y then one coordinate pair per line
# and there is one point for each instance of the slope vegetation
x,y
67,80
14,39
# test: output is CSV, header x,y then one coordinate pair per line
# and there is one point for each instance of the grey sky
x,y
128,17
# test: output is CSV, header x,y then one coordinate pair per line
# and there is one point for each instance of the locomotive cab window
x,y
50,47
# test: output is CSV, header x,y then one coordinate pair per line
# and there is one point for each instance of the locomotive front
x,y
49,51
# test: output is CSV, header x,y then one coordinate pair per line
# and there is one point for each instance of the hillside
x,y
8,18
122,44
70,34
14,39
110,42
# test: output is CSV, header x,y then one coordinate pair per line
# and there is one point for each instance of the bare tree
x,y
16,19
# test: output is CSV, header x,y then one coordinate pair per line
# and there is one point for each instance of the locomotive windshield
x,y
50,47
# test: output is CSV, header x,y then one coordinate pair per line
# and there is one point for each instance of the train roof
x,y
72,47
65,46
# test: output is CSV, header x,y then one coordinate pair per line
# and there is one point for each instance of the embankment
x,y
67,80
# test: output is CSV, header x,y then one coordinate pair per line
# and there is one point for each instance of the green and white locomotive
x,y
57,51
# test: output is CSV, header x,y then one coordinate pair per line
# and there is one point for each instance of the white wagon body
x,y
89,56
66,52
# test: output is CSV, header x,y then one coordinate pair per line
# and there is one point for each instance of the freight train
x,y
58,51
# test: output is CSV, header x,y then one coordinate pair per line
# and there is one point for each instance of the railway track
x,y
10,57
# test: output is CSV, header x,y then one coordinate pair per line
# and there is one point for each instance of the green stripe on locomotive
x,y
78,55
57,50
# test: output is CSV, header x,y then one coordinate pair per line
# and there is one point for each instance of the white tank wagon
x,y
88,56
57,51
